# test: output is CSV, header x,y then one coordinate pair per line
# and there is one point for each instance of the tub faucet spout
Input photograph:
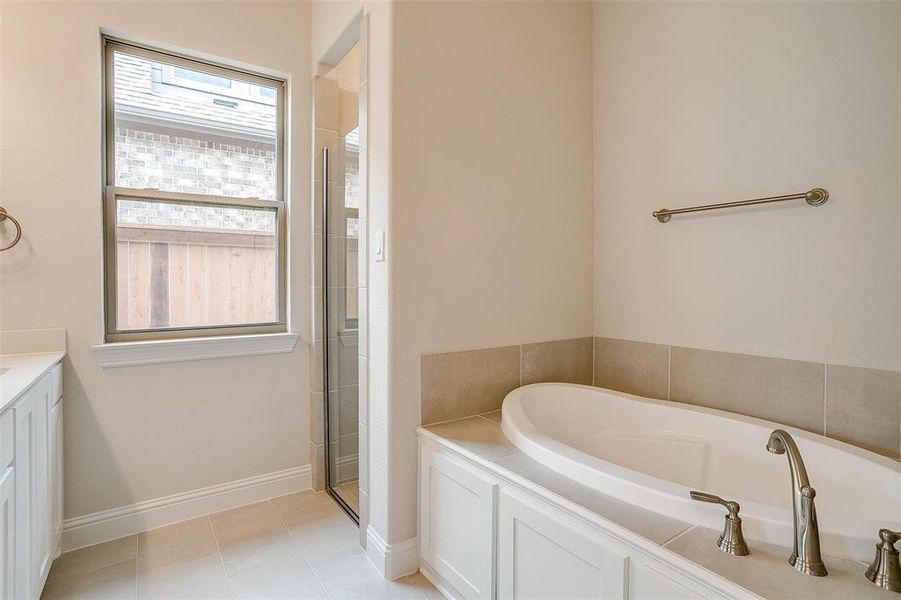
x,y
806,556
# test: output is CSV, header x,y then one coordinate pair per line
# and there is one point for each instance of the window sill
x,y
127,354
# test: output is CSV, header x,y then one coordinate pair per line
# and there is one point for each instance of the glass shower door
x,y
340,287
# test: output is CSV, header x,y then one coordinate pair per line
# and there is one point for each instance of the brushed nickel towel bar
x,y
5,215
814,197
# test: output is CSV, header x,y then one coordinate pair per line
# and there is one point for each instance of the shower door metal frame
x,y
325,345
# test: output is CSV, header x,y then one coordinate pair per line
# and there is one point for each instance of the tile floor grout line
x,y
228,581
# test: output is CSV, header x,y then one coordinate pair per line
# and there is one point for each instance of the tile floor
x,y
296,546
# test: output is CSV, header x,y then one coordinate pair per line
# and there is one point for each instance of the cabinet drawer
x,y
7,443
56,383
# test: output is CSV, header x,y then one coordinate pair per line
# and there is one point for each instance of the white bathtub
x,y
650,453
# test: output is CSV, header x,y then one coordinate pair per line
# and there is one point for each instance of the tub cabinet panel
x,y
542,556
457,524
485,533
652,581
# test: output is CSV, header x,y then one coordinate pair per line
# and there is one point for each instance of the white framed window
x,y
194,206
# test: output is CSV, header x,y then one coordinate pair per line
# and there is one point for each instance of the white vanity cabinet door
x,y
457,523
32,491
26,494
56,478
540,555
7,532
44,535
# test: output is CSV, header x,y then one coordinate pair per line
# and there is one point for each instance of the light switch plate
x,y
380,245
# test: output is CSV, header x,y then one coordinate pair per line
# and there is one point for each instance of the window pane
x,y
183,130
192,264
201,77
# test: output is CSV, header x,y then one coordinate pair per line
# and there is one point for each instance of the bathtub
x,y
650,453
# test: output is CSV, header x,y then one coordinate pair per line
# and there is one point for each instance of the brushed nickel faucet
x,y
885,570
806,556
732,541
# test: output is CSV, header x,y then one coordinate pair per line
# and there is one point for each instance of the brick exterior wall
x,y
169,162
189,164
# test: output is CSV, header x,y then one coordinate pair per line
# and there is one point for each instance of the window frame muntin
x,y
111,193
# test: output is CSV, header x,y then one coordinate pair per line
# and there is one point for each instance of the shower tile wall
x,y
854,405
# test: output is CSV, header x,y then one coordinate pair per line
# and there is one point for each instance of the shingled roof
x,y
137,95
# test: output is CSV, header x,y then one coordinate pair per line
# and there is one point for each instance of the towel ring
x,y
5,215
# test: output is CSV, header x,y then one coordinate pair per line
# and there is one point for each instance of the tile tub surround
x,y
563,360
765,572
863,407
462,384
633,367
785,391
459,384
296,546
854,405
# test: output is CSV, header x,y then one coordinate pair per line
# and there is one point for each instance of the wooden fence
x,y
182,277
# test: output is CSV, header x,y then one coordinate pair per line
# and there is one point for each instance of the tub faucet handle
x,y
732,541
886,570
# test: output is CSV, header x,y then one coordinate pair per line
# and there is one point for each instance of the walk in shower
x,y
340,250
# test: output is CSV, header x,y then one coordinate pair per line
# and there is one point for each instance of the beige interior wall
x,y
138,433
333,31
707,102
490,240
347,74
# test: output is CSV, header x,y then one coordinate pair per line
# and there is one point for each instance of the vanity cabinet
x,y
30,488
56,477
486,535
7,530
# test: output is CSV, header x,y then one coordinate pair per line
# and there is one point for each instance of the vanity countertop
x,y
765,572
24,370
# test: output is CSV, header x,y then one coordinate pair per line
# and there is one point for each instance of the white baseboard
x,y
392,560
114,523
